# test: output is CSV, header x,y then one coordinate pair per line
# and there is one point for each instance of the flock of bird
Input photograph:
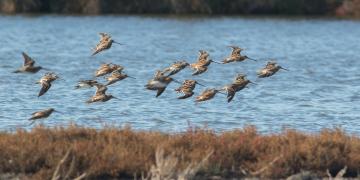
x,y
159,82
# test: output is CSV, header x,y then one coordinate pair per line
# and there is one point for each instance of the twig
x,y
82,176
56,175
255,173
193,168
341,173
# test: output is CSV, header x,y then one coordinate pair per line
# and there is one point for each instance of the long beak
x,y
216,62
284,69
177,81
46,69
118,43
252,59
252,83
58,112
200,84
116,98
61,79
131,77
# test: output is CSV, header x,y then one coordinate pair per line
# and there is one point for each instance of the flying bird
x,y
236,56
201,65
46,81
115,77
100,94
187,88
159,83
239,83
86,84
104,44
107,69
41,114
270,69
176,67
207,95
28,66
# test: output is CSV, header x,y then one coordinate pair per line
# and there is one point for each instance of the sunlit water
x,y
321,90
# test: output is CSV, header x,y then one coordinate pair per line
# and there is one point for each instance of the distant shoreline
x,y
189,16
339,8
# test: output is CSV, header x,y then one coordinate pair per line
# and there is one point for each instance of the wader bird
x,y
86,84
115,77
239,83
28,65
41,114
176,67
202,63
107,69
207,95
104,44
187,88
159,83
46,81
270,69
100,94
236,56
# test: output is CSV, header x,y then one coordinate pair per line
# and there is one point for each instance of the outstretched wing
x,y
100,47
45,86
160,91
104,36
100,89
231,93
27,60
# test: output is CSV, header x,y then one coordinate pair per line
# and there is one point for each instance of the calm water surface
x,y
321,90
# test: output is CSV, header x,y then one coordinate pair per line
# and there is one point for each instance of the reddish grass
x,y
121,153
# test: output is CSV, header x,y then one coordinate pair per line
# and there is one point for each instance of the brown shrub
x,y
122,153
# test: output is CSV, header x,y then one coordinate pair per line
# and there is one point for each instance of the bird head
x,y
189,81
185,64
271,62
240,76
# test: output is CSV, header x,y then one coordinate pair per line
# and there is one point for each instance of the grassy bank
x,y
124,153
283,7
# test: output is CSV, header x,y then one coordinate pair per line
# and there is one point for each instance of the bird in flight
x,y
270,69
41,114
105,43
29,65
187,88
46,81
100,94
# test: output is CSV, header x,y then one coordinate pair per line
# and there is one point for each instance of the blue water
x,y
321,90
